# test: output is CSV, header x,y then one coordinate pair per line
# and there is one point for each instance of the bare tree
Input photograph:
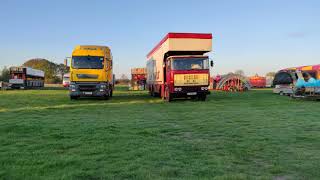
x,y
239,72
123,79
271,74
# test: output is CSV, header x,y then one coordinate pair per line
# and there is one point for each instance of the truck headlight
x,y
178,89
103,86
72,87
204,88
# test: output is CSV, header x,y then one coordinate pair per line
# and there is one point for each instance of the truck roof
x,y
84,47
303,68
28,70
93,50
204,36
138,71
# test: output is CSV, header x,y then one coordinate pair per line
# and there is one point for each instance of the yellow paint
x,y
307,68
191,80
103,75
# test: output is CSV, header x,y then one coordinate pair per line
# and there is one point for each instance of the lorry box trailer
x,y
91,72
138,78
26,77
258,81
178,67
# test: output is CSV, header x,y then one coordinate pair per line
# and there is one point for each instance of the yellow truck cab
x,y
91,72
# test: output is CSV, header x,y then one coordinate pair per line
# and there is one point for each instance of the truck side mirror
x,y
211,63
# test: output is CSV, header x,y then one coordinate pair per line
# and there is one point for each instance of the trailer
x,y
258,81
179,67
285,79
309,93
138,79
26,77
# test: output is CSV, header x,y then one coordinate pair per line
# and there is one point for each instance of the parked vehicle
x,y
258,81
138,79
285,79
66,80
178,67
25,77
91,72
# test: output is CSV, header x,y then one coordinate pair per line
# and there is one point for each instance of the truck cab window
x,y
87,62
190,63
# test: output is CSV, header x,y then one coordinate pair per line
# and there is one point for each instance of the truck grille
x,y
190,89
87,87
190,79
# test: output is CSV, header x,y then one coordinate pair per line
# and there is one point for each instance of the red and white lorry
x,y
178,67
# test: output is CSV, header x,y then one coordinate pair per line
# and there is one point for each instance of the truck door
x,y
168,70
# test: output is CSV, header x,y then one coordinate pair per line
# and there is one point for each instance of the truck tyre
x,y
202,97
74,97
106,97
168,96
152,93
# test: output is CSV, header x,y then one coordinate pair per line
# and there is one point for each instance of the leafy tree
x,y
50,69
239,72
5,75
62,69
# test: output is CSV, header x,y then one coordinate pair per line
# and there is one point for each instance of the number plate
x,y
192,93
87,93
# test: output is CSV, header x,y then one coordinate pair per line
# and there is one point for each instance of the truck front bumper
x,y
89,89
186,91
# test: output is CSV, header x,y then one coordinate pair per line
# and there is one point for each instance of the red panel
x,y
257,81
180,35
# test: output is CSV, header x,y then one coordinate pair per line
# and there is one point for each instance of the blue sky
x,y
256,36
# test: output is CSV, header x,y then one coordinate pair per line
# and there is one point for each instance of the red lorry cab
x,y
178,67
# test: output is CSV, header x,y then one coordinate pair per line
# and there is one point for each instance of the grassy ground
x,y
253,135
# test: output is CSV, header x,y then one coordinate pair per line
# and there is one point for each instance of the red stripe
x,y
180,35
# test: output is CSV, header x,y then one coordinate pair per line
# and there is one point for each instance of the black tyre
x,y
202,97
107,96
168,96
74,97
152,93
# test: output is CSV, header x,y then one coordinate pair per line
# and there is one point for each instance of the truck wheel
x,y
74,97
202,97
168,96
152,93
105,97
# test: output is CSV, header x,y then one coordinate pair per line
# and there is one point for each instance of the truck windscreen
x,y
190,63
87,62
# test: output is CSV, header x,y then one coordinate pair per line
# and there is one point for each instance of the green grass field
x,y
252,135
